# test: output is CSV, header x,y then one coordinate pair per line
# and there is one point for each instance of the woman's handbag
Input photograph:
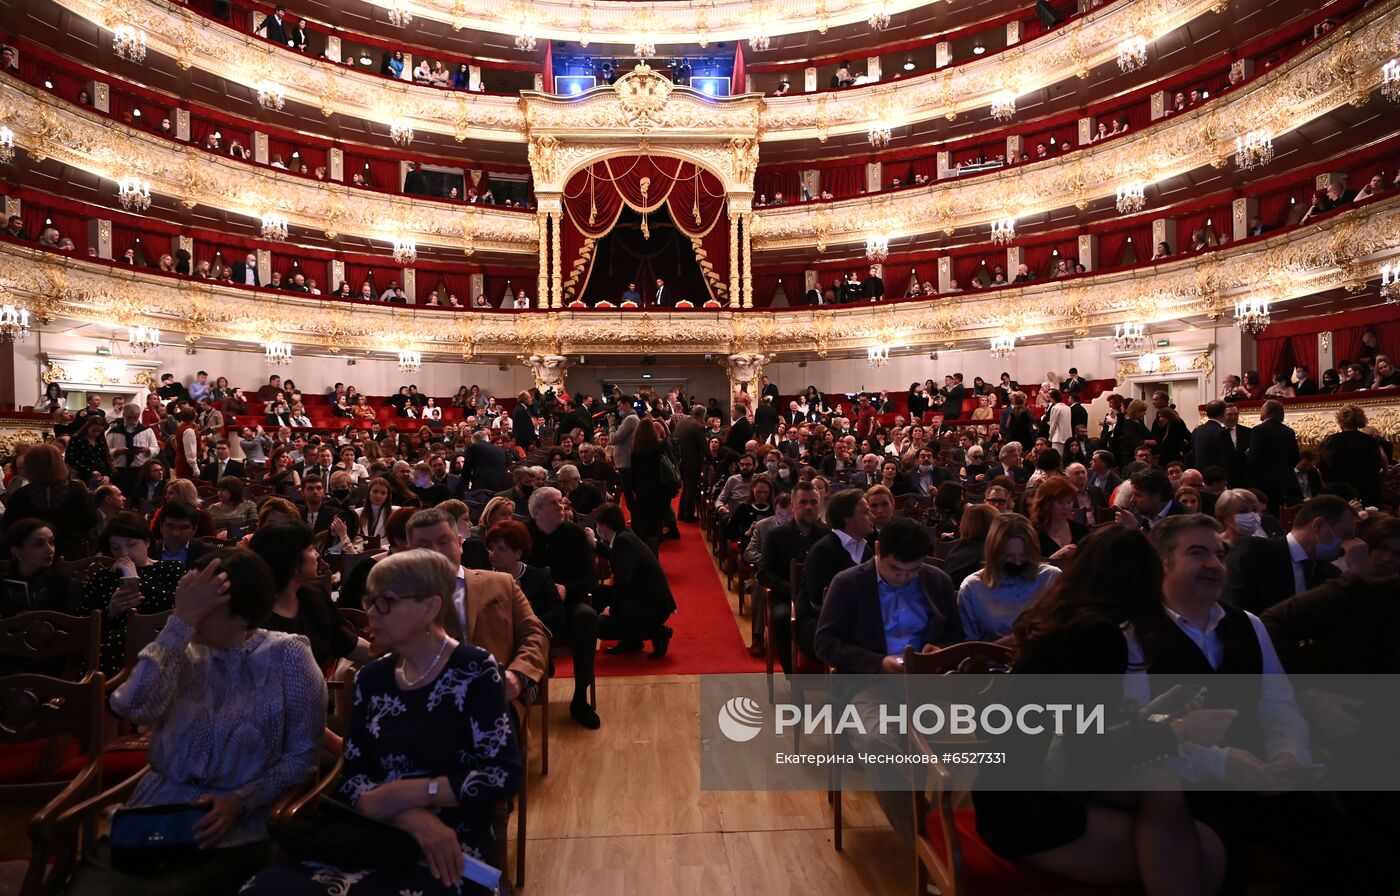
x,y
144,836
331,832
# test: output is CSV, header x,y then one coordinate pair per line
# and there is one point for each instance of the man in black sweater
x,y
785,544
844,547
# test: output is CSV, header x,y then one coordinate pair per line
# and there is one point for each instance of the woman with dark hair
x,y
133,582
918,401
374,516
1176,441
652,497
149,490
1104,617
1350,456
88,455
300,609
235,716
1011,578
52,401
759,506
49,495
231,507
284,480
891,478
1052,514
965,557
944,517
34,581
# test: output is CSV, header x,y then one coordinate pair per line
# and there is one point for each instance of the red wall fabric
x,y
843,181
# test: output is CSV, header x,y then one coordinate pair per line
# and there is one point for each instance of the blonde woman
x,y
184,490
1011,578
497,510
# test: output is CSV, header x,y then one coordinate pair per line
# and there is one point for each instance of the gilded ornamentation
x,y
642,94
549,370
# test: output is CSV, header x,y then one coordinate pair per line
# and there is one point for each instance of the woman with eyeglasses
x,y
430,748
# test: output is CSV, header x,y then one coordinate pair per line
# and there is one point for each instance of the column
x,y
873,180
101,96
872,68
748,265
264,265
1160,101
733,258
337,165
556,251
1241,210
942,54
1089,251
539,82
182,125
811,184
410,286
944,164
542,220
100,237
744,371
809,78
1163,231
407,73
1086,130
473,76
1013,33
333,49
1015,255
260,153
404,168
477,287
810,281
1326,356
945,275
14,207
337,275
550,371
1328,178
1014,146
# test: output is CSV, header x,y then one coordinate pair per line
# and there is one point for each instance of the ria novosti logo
x,y
740,719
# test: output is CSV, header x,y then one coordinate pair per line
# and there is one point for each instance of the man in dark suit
x,y
178,521
792,416
1237,441
1152,497
1264,571
522,422
741,431
1088,499
847,545
275,27
1306,481
873,289
787,543
1009,464
768,390
222,465
487,467
1209,444
583,498
1073,385
1305,384
1273,455
953,394
245,272
691,445
318,512
639,601
765,419
662,297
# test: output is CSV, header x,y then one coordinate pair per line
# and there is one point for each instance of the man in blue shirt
x,y
631,294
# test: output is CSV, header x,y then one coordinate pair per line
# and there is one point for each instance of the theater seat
x,y
121,759
987,874
24,762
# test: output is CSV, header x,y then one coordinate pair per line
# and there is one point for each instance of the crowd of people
x,y
475,543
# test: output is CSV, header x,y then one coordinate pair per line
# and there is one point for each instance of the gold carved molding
x,y
47,127
15,431
1297,263
1345,65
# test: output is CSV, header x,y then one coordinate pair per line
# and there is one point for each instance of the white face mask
x,y
1247,523
784,473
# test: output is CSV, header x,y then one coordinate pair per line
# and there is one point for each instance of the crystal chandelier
x,y
1132,198
879,135
143,339
1132,54
399,16
401,132
274,226
1149,362
409,360
877,248
134,194
645,47
405,250
1390,86
878,355
525,40
760,41
1004,106
129,43
1252,315
1003,346
14,323
277,353
1127,336
1003,231
879,18
7,145
1390,282
1254,149
271,96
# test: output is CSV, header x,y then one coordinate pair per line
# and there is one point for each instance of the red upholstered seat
x,y
987,874
121,759
20,763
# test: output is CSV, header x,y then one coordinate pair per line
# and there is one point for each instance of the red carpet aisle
x,y
707,640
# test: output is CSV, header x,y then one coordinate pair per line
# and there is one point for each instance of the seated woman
x,y
235,716
34,581
497,510
1189,496
284,480
965,557
186,491
299,608
437,764
891,477
1011,578
362,409
1239,509
759,506
231,507
1052,513
1162,251
133,582
975,470
1107,602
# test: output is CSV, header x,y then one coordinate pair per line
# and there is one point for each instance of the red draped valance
x,y
594,198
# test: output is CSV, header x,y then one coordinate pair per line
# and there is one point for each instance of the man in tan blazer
x,y
491,612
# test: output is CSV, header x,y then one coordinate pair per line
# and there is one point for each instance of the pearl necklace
x,y
410,685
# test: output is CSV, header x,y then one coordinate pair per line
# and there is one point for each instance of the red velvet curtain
x,y
769,183
1186,225
496,286
594,198
1270,354
737,85
843,181
925,165
1304,350
70,225
381,174
150,245
447,283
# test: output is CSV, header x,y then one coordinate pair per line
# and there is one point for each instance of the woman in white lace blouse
x,y
236,716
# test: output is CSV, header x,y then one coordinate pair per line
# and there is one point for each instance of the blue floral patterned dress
x,y
457,726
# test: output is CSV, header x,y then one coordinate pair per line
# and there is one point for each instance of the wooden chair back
x,y
38,636
40,708
967,657
141,630
84,569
